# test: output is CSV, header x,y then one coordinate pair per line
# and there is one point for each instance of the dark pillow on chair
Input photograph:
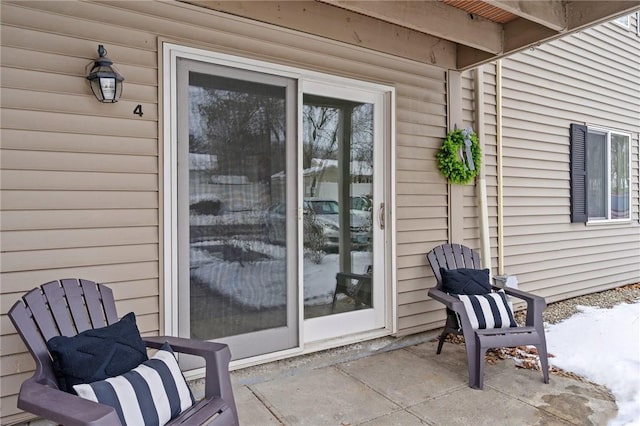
x,y
98,353
465,281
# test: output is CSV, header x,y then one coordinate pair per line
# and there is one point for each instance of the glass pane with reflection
x,y
236,188
619,176
337,206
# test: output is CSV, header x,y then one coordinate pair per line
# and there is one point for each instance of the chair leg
x,y
443,336
472,360
544,361
481,351
450,326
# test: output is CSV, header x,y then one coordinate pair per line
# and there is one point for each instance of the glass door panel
x,y
343,265
237,246
337,205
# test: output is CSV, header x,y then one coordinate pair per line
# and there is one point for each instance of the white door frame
x,y
365,320
170,53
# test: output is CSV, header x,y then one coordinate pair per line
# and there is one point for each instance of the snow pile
x,y
603,345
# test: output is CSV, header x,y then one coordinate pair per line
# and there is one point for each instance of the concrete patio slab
x,y
253,411
411,385
402,376
325,396
575,401
399,418
466,406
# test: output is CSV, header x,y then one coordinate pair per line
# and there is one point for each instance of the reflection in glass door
x,y
337,205
235,276
343,265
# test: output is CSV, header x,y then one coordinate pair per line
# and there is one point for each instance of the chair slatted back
x,y
60,308
452,256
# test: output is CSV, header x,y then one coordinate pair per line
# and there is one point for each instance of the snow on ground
x,y
603,345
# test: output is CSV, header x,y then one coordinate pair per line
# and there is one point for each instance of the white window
x,y
600,174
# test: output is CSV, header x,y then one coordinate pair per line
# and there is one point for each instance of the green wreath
x,y
453,156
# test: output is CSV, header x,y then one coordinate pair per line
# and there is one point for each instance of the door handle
x,y
381,215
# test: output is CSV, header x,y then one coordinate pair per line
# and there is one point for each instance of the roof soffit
x,y
451,34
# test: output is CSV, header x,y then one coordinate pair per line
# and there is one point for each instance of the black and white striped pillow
x,y
151,394
490,310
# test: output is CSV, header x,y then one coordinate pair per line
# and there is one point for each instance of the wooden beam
x,y
522,33
341,25
550,13
432,17
469,57
582,14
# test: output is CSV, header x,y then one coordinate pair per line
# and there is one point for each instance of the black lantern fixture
x,y
104,80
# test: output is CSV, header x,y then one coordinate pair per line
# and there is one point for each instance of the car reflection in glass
x,y
325,213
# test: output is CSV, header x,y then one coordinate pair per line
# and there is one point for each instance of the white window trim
x,y
608,219
170,54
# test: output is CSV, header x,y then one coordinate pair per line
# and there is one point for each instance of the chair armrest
x,y
455,305
521,294
201,348
217,357
449,301
62,407
535,304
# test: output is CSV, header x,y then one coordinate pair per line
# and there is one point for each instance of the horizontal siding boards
x,y
24,180
77,162
57,142
17,220
86,176
78,257
79,124
28,99
65,200
589,77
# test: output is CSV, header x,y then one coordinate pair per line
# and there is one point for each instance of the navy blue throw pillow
x,y
97,354
465,281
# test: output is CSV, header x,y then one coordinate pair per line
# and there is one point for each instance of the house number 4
x,y
138,110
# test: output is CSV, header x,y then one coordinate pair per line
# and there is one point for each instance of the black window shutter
x,y
578,173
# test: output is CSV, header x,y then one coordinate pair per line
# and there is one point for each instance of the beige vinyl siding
x,y
81,180
592,77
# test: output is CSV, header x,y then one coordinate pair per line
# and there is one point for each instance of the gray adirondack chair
x,y
453,256
70,306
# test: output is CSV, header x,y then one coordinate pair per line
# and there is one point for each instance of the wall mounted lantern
x,y
104,80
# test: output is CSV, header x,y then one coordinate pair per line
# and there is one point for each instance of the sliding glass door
x,y
278,225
